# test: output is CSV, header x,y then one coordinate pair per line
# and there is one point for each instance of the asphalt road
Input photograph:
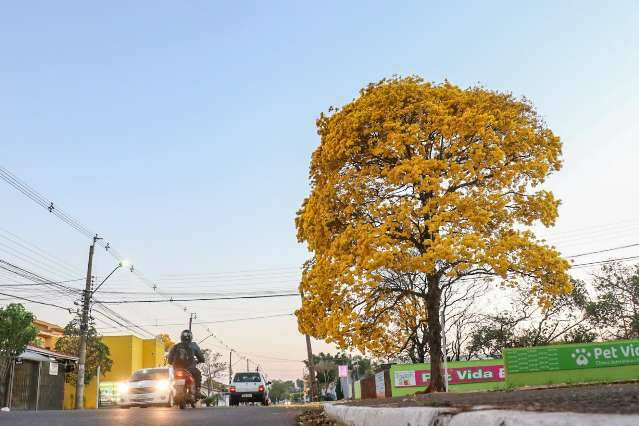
x,y
220,416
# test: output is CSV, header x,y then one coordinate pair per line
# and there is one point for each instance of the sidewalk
x,y
609,404
430,416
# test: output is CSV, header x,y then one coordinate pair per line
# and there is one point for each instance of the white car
x,y
149,386
249,387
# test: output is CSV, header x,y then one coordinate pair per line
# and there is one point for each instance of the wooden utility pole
x,y
311,369
193,315
84,328
230,367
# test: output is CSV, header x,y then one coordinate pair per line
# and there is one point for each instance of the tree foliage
x,y
429,180
211,368
616,309
98,353
326,365
167,342
16,329
281,390
525,324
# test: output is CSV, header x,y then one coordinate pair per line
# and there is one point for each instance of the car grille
x,y
138,391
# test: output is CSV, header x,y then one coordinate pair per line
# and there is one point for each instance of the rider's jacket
x,y
197,353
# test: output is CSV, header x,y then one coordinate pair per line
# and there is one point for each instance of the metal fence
x,y
33,385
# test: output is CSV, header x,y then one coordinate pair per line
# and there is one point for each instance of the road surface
x,y
220,416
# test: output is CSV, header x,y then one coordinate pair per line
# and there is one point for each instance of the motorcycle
x,y
184,389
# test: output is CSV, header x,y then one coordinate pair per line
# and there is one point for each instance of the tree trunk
x,y
433,302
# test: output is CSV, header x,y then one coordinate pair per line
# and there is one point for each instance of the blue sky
x,y
183,132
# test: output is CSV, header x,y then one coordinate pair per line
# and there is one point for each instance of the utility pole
x,y
230,367
193,315
247,366
84,327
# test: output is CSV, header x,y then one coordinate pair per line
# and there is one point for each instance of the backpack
x,y
182,355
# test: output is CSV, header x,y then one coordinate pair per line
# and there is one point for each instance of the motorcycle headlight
x,y
123,387
162,385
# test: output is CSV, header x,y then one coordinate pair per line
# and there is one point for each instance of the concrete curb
x,y
384,416
434,416
529,418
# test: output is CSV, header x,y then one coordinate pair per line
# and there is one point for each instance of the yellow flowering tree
x,y
432,184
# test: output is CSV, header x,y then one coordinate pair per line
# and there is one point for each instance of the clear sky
x,y
182,131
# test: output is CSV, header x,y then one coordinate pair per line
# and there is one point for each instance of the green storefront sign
x,y
572,357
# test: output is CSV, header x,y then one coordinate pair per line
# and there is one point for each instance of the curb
x,y
433,416
384,416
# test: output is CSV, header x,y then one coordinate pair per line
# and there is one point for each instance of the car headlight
x,y
162,385
123,387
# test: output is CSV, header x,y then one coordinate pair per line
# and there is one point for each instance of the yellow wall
x,y
129,353
153,353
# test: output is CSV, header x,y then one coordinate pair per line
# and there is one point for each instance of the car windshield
x,y
247,377
150,374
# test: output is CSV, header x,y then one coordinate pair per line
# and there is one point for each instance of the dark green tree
x,y
326,367
281,390
97,352
16,329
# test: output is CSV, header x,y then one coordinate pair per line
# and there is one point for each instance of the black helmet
x,y
186,336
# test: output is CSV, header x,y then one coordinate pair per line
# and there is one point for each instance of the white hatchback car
x,y
249,387
149,386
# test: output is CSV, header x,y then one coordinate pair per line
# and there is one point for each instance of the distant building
x,y
48,334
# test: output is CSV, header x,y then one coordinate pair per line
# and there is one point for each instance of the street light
x,y
120,265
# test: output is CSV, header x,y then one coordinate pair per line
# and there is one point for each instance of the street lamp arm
x,y
107,277
200,342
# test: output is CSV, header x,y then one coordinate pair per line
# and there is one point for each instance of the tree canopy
x,y
326,366
281,390
432,184
616,310
16,329
212,368
98,353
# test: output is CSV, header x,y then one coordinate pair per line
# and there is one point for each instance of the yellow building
x,y
47,334
129,353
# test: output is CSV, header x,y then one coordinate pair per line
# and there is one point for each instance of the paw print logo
x,y
581,357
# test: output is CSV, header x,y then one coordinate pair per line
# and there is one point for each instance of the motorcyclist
x,y
187,354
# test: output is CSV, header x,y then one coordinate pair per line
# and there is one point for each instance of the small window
x,y
247,378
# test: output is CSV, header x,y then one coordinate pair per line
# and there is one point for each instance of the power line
x,y
39,199
16,239
240,271
200,299
41,284
66,291
601,262
131,325
602,251
13,296
219,321
31,276
203,293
